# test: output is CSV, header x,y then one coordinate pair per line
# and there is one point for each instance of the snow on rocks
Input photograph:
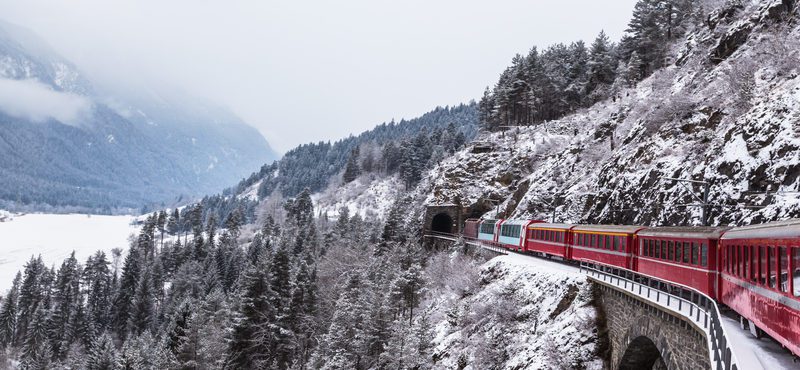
x,y
733,124
524,313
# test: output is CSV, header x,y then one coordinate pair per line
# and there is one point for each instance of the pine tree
x,y
351,170
8,315
66,299
173,224
342,223
142,315
31,295
601,64
102,355
99,290
36,351
252,336
121,310
337,348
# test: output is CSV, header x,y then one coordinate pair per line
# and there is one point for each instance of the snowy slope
x,y
734,123
54,237
369,196
525,313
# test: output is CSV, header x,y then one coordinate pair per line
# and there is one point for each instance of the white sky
x,y
303,71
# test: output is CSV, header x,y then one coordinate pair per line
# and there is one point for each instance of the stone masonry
x,y
644,336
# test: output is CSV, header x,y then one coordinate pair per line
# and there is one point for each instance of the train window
x,y
616,243
607,242
695,251
783,272
762,265
771,266
657,249
594,240
727,257
796,272
737,250
746,260
687,251
703,254
753,263
670,251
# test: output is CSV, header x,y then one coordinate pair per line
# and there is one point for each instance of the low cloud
x,y
33,100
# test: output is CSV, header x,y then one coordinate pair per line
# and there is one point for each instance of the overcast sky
x,y
303,71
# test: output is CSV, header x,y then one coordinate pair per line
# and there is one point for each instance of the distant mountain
x,y
64,142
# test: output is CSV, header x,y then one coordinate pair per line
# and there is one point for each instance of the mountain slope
x,y
66,143
726,112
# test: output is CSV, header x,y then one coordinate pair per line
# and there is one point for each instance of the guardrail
x,y
686,301
485,244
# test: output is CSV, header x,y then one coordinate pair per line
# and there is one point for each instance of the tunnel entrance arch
x,y
442,223
642,353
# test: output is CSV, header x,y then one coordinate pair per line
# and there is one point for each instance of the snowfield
x,y
54,237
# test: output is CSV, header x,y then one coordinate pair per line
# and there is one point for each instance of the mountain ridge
x,y
121,151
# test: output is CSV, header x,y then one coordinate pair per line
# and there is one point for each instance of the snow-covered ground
x,y
369,196
524,312
54,237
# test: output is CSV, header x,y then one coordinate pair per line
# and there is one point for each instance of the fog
x,y
303,71
37,102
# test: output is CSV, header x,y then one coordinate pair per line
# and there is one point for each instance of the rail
x,y
686,301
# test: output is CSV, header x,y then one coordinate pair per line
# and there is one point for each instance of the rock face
x,y
727,115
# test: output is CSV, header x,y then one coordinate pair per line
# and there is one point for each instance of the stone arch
x,y
642,353
442,222
646,347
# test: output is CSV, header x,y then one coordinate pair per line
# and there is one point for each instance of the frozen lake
x,y
55,237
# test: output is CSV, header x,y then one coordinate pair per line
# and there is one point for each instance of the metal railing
x,y
485,244
686,301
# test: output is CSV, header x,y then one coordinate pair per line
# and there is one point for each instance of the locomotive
x,y
754,270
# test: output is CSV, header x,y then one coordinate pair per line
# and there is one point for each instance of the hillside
x,y
68,144
725,112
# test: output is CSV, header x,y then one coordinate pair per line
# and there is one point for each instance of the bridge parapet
x,y
679,308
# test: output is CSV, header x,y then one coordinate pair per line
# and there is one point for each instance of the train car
x,y
760,278
488,229
607,244
549,239
685,255
512,234
471,226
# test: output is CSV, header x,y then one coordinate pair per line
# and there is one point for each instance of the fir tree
x,y
8,315
121,310
252,337
351,170
102,355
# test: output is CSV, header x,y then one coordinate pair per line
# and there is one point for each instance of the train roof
x,y
625,229
772,230
545,225
684,232
515,222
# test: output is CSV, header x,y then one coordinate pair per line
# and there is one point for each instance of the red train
x,y
754,270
